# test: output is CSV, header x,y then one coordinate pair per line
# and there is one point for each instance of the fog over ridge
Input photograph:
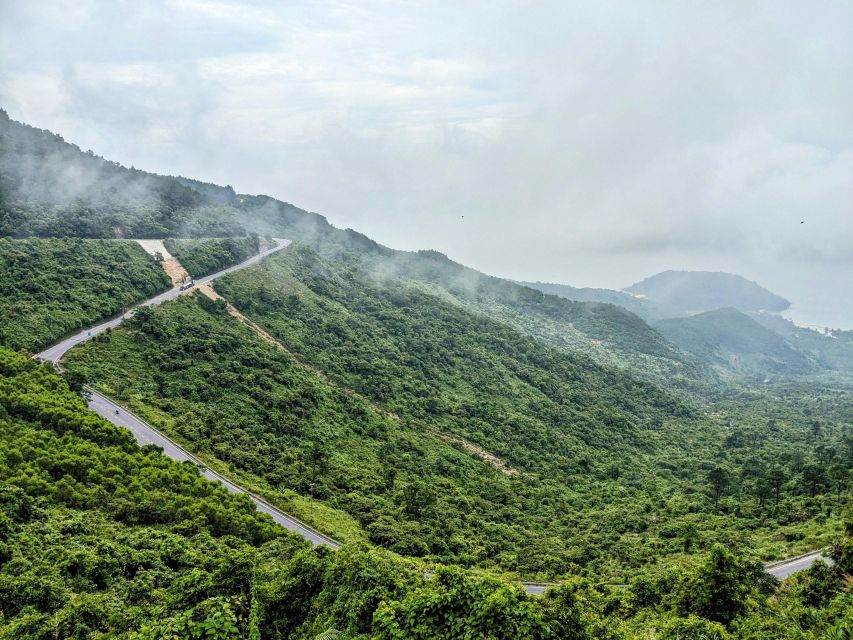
x,y
592,145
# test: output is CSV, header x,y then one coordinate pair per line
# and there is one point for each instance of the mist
x,y
591,144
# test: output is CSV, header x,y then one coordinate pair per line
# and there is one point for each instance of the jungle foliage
x,y
52,287
102,539
606,472
201,257
397,377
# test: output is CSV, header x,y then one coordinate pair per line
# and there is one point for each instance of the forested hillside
x,y
50,288
734,342
102,539
831,349
643,307
99,538
368,413
49,187
201,257
419,411
607,333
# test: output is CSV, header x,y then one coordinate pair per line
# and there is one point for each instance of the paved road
x,y
780,570
785,568
146,434
54,354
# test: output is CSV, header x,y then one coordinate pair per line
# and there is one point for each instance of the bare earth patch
x,y
170,264
478,451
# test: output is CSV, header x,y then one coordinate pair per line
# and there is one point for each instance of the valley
x,y
441,436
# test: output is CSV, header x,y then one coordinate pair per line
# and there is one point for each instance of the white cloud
x,y
592,143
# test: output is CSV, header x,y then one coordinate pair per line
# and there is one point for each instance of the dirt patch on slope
x,y
478,451
175,270
170,264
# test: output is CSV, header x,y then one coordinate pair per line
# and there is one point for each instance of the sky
x,y
587,143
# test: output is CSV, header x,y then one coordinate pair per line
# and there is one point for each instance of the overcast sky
x,y
590,143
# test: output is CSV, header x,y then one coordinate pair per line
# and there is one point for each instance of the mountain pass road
x,y
54,354
145,434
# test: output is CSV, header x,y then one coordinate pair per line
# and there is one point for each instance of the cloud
x,y
591,143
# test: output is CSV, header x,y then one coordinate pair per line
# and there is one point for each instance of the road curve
x,y
54,354
146,434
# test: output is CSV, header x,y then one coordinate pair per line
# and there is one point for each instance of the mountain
x,y
49,187
454,430
643,307
697,291
731,340
832,348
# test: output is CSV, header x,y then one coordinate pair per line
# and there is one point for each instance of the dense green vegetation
x,y
102,539
608,334
612,472
732,341
643,307
51,188
414,407
201,257
832,351
50,288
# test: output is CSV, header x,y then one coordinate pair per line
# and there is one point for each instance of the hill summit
x,y
698,291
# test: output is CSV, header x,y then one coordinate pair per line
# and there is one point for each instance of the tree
x,y
813,476
454,606
689,535
776,478
718,590
692,628
719,479
416,497
763,490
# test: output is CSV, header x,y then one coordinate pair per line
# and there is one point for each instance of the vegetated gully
x,y
144,433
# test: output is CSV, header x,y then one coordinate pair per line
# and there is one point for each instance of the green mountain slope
x,y
608,334
409,407
733,341
643,307
50,288
49,187
201,257
102,539
377,435
386,390
832,350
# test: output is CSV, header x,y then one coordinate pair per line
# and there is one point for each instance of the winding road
x,y
54,354
144,433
